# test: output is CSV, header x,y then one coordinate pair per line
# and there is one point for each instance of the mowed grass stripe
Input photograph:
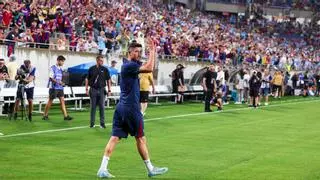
x,y
283,103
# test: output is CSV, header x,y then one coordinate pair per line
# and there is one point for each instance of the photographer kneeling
x,y
25,75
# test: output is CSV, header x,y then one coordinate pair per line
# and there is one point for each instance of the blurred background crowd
x,y
108,26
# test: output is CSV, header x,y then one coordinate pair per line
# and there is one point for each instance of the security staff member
x,y
98,77
209,86
55,86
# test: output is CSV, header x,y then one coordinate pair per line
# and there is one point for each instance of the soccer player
x,y
127,117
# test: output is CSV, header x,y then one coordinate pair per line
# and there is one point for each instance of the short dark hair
x,y
134,45
27,61
61,58
99,56
1,59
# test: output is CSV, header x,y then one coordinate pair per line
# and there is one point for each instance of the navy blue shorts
x,y
28,91
127,120
265,91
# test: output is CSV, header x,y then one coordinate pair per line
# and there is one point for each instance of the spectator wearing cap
x,y
56,86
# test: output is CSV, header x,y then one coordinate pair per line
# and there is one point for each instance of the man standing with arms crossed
x,y
98,77
56,85
127,117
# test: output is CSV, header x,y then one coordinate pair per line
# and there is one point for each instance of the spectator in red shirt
x,y
89,25
7,16
60,22
73,41
33,27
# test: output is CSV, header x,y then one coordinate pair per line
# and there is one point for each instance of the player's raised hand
x,y
151,44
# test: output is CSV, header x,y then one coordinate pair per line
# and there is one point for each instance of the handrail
x,y
36,44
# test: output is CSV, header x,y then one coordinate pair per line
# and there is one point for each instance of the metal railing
x,y
236,64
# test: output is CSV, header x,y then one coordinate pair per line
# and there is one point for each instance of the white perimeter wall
x,y
42,59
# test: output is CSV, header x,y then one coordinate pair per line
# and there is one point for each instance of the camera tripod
x,y
23,108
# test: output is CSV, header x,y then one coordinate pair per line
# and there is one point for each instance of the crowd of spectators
x,y
292,4
107,26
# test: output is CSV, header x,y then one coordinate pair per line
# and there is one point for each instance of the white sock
x,y
148,165
104,163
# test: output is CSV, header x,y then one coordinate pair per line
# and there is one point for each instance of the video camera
x,y
22,74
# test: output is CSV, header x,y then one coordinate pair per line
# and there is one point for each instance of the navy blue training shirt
x,y
129,83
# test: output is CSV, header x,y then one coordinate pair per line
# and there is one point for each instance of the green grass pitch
x,y
281,141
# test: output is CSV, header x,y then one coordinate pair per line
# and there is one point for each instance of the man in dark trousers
x,y
178,82
98,78
209,86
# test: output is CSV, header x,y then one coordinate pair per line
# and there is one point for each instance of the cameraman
x,y
25,76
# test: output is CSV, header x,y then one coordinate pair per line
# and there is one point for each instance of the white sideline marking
x,y
168,117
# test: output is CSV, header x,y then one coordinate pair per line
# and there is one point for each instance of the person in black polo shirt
x,y
98,78
209,85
